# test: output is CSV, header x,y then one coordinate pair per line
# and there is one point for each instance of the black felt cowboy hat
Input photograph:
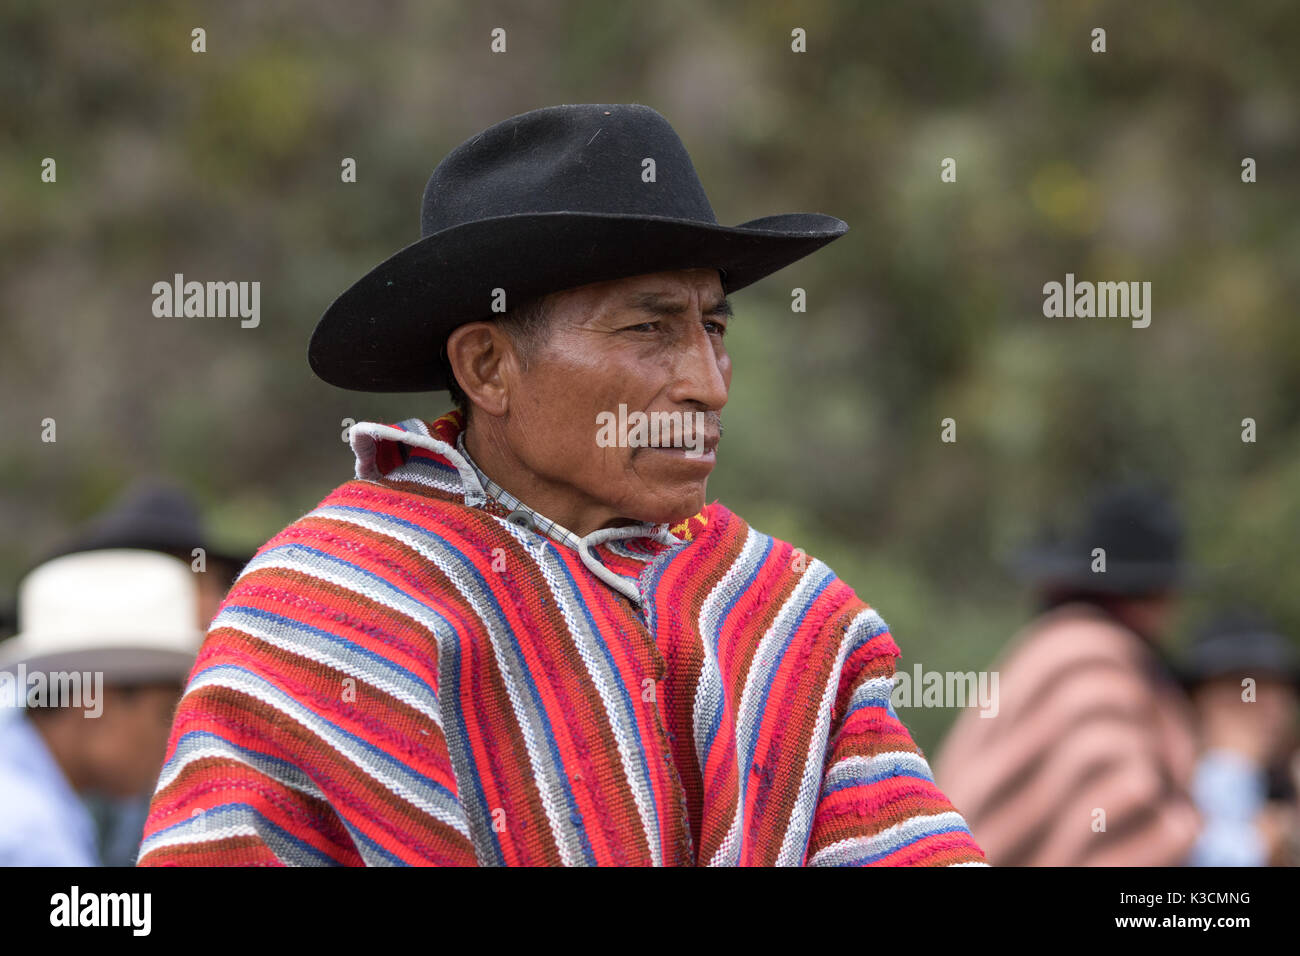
x,y
548,200
152,515
1141,533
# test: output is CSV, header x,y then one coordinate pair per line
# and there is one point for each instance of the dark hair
x,y
526,324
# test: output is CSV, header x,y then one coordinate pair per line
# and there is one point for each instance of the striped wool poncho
x,y
404,677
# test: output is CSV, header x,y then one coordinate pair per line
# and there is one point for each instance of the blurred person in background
x,y
119,627
1243,679
8,619
152,515
1088,760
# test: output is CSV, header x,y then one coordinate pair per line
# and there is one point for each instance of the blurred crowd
x,y
108,626
1106,748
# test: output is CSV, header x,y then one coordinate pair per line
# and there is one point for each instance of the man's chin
x,y
671,509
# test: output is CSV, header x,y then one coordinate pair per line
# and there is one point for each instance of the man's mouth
x,y
706,449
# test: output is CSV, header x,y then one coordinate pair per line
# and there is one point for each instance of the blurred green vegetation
x,y
1118,166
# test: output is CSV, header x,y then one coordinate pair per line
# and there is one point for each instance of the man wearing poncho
x,y
506,643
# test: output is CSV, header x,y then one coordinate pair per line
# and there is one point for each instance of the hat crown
x,y
1136,524
1137,527
151,515
588,158
96,600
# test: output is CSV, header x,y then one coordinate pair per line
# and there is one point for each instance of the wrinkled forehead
x,y
674,288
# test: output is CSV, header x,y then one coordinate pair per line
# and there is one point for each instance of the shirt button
x,y
521,518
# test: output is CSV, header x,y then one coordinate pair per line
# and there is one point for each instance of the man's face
x,y
653,343
125,745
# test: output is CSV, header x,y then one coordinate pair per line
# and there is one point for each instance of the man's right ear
x,y
477,353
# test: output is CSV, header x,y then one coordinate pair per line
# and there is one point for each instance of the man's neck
x,y
493,455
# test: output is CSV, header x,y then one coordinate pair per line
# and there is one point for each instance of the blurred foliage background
x,y
1117,166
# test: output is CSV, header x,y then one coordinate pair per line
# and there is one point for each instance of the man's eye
x,y
642,327
722,329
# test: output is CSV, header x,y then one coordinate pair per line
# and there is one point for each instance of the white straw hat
x,y
130,614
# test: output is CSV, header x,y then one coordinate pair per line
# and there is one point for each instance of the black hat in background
x,y
1239,642
150,516
1141,533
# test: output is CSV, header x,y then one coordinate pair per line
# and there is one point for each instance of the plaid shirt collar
x,y
520,513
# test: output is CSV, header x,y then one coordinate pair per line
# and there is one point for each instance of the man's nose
x,y
700,377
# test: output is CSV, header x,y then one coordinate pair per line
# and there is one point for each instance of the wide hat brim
x,y
384,333
160,536
1047,567
125,663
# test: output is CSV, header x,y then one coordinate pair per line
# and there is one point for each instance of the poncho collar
x,y
382,449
